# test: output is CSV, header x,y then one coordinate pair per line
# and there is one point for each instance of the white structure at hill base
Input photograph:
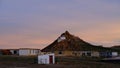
x,y
46,59
28,51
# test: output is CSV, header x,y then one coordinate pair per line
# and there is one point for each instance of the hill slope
x,y
70,42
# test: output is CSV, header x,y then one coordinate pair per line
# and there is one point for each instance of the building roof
x,y
29,49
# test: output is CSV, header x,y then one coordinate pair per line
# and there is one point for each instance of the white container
x,y
28,51
114,54
46,59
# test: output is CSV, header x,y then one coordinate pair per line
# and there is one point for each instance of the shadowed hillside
x,y
116,47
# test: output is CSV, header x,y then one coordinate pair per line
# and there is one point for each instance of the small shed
x,y
46,59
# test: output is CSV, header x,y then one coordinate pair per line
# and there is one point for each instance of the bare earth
x,y
62,62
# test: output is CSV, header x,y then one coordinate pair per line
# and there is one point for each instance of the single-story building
x,y
77,53
46,59
28,51
5,52
108,54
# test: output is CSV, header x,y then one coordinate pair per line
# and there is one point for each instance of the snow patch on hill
x,y
61,38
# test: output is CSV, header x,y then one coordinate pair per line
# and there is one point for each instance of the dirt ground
x,y
24,65
62,62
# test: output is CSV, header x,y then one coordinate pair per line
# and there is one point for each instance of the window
x,y
75,54
88,54
15,52
60,52
83,54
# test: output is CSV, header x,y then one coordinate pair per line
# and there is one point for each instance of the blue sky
x,y
37,23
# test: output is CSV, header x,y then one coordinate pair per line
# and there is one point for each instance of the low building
x,y
5,52
108,54
86,53
28,51
63,53
46,59
77,53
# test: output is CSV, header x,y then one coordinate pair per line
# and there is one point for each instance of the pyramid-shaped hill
x,y
70,42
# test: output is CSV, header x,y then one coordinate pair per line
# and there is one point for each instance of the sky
x,y
37,23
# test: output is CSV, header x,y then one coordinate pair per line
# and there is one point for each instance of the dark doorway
x,y
89,54
60,52
51,59
15,52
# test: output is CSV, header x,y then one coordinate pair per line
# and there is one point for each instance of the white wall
x,y
114,54
24,52
27,52
44,59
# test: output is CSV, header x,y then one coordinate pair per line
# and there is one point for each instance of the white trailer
x,y
114,54
28,51
46,59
